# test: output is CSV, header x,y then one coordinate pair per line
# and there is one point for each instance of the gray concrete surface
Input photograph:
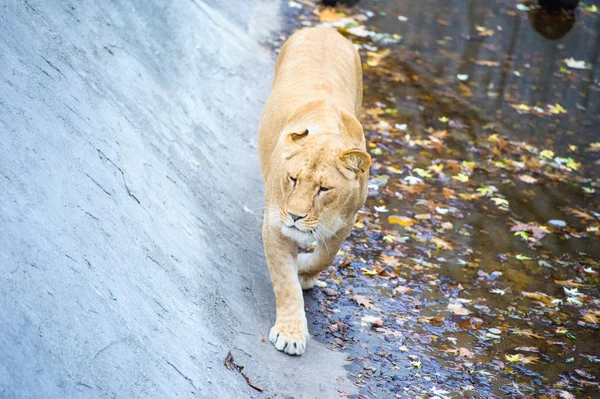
x,y
128,266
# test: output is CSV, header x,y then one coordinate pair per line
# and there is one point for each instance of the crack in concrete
x,y
103,156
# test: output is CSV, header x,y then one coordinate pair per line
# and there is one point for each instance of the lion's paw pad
x,y
288,340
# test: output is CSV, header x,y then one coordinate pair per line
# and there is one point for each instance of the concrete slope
x,y
128,265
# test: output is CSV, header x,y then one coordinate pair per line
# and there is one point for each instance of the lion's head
x,y
322,183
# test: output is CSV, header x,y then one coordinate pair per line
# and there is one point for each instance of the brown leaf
x,y
389,260
591,318
441,243
457,308
363,301
569,283
540,296
580,214
464,352
528,179
487,63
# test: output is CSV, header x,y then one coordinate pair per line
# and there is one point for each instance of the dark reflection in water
x,y
442,40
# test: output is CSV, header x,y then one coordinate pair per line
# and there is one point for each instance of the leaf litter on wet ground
x,y
472,270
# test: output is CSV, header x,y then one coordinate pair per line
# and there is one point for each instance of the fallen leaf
x,y
537,231
487,63
591,318
457,308
461,177
540,296
572,63
569,283
557,109
580,214
360,31
526,333
441,243
566,395
481,31
389,260
518,358
363,301
528,179
403,221
534,349
371,320
389,332
464,352
329,15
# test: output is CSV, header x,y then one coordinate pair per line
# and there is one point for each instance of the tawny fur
x,y
313,159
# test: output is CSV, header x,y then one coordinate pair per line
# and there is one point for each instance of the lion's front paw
x,y
308,281
290,337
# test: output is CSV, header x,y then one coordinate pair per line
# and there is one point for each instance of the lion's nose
x,y
296,217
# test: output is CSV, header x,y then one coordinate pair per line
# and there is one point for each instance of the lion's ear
x,y
357,161
353,127
296,137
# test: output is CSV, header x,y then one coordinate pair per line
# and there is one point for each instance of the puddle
x,y
478,250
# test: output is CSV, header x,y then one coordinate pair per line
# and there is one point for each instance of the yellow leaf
x,y
591,318
569,283
403,221
329,15
441,243
461,177
540,296
557,109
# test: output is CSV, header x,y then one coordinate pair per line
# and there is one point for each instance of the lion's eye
x,y
324,189
293,179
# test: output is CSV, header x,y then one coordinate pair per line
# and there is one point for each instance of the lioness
x,y
313,160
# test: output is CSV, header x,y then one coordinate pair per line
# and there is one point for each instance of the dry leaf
x,y
403,221
540,296
580,214
441,243
464,352
569,283
387,331
363,301
528,179
329,15
590,318
488,63
457,308
389,260
371,320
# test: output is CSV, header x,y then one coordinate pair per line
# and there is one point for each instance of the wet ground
x,y
473,270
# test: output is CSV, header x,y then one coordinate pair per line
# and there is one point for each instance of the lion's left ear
x,y
357,161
